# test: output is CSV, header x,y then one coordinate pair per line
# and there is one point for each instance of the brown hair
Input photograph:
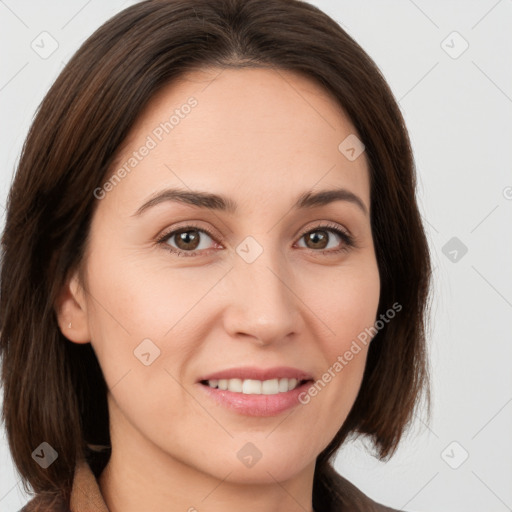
x,y
54,390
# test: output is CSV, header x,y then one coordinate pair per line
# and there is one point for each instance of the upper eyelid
x,y
188,227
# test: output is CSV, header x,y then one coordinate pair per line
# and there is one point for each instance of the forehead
x,y
258,132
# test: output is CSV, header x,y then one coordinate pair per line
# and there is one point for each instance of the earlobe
x,y
72,312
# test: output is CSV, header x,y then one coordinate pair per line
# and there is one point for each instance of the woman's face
x,y
254,287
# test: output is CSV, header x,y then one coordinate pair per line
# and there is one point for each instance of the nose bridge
x,y
262,303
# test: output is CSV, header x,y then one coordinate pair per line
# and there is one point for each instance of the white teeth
x,y
235,385
251,387
270,387
254,387
283,385
292,383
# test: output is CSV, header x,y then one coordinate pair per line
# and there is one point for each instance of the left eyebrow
x,y
323,197
221,203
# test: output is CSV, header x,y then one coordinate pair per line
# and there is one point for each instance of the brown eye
x,y
317,239
186,240
326,239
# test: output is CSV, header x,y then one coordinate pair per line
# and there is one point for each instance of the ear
x,y
72,312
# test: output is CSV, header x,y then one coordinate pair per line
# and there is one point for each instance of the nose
x,y
261,301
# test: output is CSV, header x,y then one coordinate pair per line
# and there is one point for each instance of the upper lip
x,y
252,372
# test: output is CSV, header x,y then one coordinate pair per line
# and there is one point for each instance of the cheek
x,y
131,303
346,300
357,303
347,305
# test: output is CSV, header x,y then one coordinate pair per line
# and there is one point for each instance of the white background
x,y
459,114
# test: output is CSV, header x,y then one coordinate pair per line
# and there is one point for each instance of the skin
x,y
262,138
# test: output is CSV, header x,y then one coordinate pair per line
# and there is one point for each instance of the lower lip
x,y
257,405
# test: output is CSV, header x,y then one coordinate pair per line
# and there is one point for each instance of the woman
x,y
214,268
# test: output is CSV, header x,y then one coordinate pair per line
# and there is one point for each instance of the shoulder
x,y
344,495
360,499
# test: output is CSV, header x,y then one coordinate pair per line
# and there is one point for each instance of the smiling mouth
x,y
255,387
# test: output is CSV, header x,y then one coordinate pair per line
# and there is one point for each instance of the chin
x,y
264,465
262,472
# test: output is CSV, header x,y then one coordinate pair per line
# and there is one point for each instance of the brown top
x,y
86,496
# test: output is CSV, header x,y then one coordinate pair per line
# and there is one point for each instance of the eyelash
x,y
348,240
